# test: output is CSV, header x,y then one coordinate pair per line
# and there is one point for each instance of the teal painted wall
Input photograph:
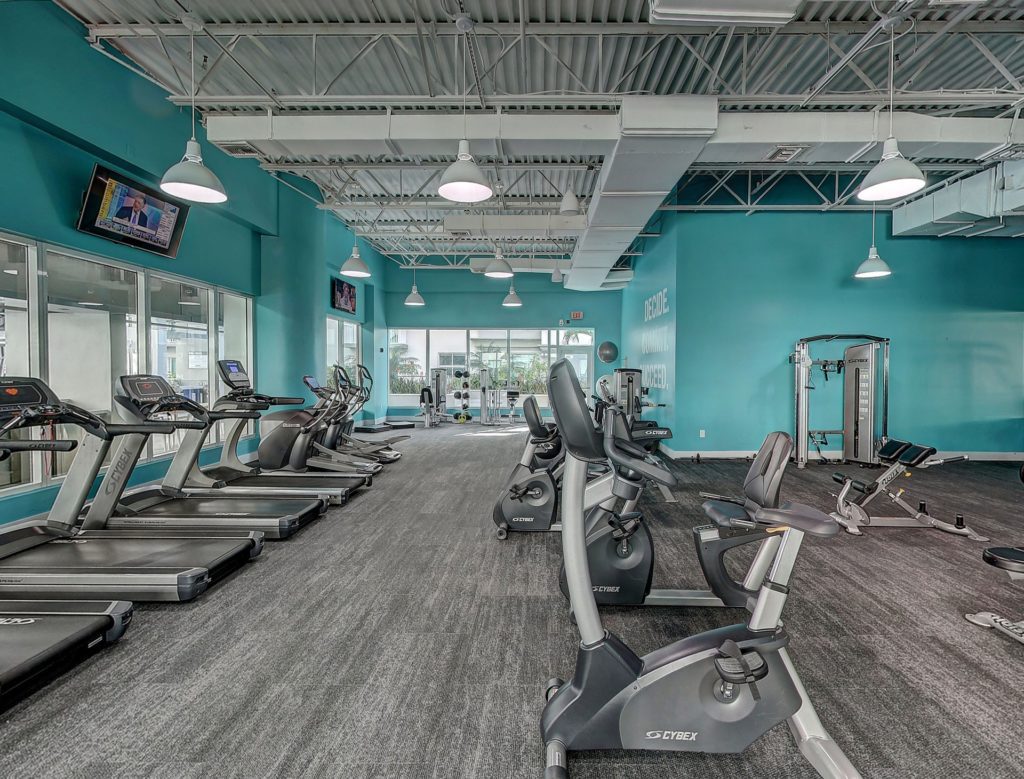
x,y
747,287
649,312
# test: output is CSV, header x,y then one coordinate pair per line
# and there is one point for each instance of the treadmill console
x,y
144,388
311,382
20,392
232,373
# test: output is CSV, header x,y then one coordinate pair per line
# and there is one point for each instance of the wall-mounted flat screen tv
x,y
122,210
343,296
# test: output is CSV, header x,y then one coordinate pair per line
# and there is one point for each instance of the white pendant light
x,y
874,267
570,205
354,266
190,179
894,176
512,299
556,274
498,268
414,298
463,181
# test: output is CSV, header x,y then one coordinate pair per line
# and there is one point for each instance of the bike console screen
x,y
143,388
232,372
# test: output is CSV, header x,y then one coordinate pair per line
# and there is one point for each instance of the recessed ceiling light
x,y
11,271
89,303
189,303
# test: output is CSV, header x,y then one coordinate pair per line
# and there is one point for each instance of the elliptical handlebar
x,y
626,454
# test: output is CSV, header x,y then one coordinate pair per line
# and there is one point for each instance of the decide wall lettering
x,y
655,340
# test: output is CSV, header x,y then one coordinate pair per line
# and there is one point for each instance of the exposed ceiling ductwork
x,y
659,137
990,203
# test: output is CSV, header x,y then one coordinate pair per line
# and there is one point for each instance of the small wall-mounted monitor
x,y
125,211
343,296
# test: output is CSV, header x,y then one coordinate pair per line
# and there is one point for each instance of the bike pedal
x,y
750,667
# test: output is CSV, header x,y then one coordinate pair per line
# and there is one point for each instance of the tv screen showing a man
x,y
133,212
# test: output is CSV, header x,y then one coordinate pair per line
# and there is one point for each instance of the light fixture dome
x,y
874,267
556,274
354,266
570,205
191,180
894,176
512,299
463,181
414,298
498,268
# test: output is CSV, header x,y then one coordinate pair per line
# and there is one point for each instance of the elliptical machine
x,y
716,691
529,501
620,548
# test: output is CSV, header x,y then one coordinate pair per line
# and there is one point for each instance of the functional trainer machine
x,y
1011,560
898,458
434,399
717,691
864,367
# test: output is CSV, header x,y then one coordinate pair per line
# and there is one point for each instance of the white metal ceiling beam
x,y
970,98
504,29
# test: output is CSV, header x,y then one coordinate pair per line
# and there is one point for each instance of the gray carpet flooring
x,y
396,637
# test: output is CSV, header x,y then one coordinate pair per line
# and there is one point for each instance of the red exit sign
x,y
575,315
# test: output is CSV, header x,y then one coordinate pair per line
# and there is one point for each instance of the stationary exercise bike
x,y
717,691
620,548
529,501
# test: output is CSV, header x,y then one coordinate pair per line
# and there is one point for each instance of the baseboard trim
x,y
836,455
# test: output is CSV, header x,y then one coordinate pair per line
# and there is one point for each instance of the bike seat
x,y
726,515
800,516
1006,557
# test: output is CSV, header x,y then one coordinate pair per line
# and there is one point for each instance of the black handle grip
x,y
189,424
38,446
284,401
149,428
839,478
217,416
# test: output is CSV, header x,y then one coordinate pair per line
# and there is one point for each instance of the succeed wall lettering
x,y
656,340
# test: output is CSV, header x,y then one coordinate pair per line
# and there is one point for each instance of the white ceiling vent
x,y
784,153
743,12
241,149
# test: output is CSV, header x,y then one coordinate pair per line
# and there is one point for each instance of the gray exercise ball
x,y
608,352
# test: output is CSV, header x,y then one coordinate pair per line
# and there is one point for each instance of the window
x,y
92,335
447,350
407,364
520,356
342,348
530,352
179,344
234,342
81,322
14,341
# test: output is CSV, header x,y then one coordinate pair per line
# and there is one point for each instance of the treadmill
x,y
231,476
49,558
40,639
140,399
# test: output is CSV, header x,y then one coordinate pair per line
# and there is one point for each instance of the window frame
x,y
37,256
402,400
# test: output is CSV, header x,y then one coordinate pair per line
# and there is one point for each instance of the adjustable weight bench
x,y
898,458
